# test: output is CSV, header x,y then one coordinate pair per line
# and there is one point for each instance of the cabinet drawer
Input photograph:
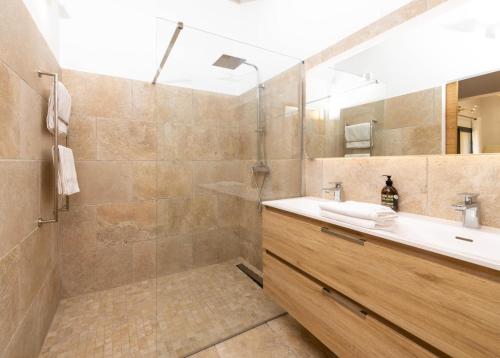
x,y
339,323
454,307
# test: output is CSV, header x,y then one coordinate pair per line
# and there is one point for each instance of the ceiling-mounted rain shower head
x,y
229,62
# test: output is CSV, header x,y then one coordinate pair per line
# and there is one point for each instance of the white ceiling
x,y
119,37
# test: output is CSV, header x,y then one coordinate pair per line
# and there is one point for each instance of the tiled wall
x,y
427,185
29,274
150,163
280,102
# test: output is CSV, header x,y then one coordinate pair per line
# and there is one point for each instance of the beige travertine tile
x,y
35,142
175,254
228,142
213,176
205,305
248,142
175,104
280,137
120,223
303,343
113,266
410,110
434,3
204,212
175,179
78,273
362,179
207,108
102,182
421,140
175,141
228,210
10,98
284,181
124,139
49,297
205,144
10,309
251,246
187,215
144,260
314,177
207,247
37,259
207,353
99,96
82,137
77,230
143,180
143,101
19,201
20,345
477,174
258,342
174,216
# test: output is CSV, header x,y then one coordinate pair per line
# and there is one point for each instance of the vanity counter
x,y
444,237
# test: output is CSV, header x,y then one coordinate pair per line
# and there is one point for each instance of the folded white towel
x,y
358,132
63,109
67,180
388,225
359,210
362,144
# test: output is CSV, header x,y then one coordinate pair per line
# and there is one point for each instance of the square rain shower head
x,y
229,62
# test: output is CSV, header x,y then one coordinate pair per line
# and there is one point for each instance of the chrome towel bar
x,y
55,161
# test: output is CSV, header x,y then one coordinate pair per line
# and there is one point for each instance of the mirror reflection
x,y
410,91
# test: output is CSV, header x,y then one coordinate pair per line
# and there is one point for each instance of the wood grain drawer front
x,y
453,307
342,327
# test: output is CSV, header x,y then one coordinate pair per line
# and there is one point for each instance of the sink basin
x,y
446,237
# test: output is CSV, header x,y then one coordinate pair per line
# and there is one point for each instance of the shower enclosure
x,y
161,251
229,120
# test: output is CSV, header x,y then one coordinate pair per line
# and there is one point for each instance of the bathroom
x,y
218,183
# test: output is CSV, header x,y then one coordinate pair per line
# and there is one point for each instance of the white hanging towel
x,y
63,109
67,180
358,132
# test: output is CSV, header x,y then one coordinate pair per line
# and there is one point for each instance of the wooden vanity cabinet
x,y
451,305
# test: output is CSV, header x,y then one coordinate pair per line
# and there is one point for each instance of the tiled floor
x,y
196,309
281,337
200,307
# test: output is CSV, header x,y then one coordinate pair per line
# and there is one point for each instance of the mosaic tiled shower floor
x,y
172,316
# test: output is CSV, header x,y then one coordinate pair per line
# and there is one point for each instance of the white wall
x,y
46,16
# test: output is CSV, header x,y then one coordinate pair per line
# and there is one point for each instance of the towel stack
x,y
370,216
358,136
67,181
63,110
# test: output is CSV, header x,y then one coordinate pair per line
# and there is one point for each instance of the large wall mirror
x,y
430,86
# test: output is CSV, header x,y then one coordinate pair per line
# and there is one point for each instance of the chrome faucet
x,y
336,189
470,209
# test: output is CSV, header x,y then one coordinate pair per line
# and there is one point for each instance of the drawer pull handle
x,y
344,236
345,302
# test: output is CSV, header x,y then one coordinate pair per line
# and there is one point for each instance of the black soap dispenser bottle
x,y
390,195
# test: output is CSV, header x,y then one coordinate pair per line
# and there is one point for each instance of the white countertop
x,y
423,232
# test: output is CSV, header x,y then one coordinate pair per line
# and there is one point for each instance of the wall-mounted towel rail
x,y
371,142
55,161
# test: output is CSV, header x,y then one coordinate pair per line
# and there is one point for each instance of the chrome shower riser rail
x,y
55,141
